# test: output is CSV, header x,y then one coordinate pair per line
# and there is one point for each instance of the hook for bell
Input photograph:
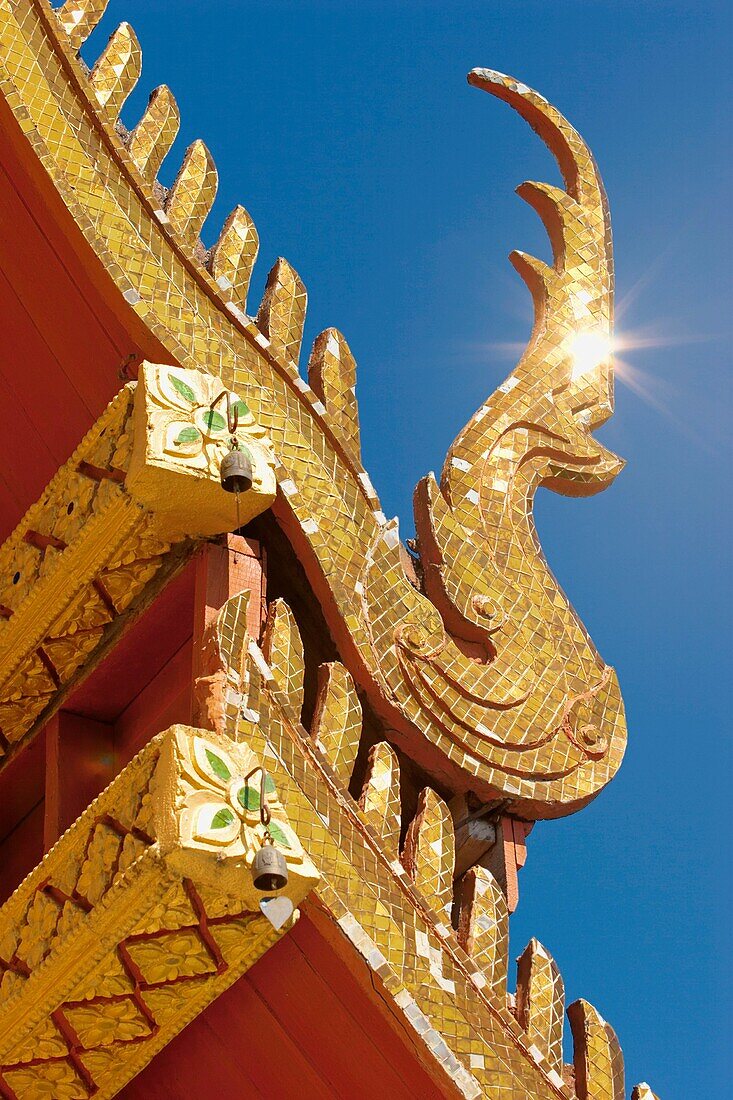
x,y
269,869
236,466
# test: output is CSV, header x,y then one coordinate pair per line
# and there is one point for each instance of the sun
x,y
588,349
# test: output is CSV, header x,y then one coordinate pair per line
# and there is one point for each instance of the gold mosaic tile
x,y
523,707
281,315
332,376
155,132
79,18
541,1002
283,650
483,927
117,71
429,855
395,926
598,1061
380,798
336,727
193,192
234,255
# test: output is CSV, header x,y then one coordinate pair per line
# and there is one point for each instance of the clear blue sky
x,y
349,133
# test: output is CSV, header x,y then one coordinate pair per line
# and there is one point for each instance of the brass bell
x,y
236,471
269,869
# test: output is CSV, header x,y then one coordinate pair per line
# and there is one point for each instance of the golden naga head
x,y
470,656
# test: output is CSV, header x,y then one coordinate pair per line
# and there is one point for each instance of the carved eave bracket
x,y
113,523
150,887
181,435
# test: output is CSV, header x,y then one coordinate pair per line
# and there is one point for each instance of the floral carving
x,y
48,1081
100,863
222,805
208,823
185,424
113,1022
112,919
189,411
178,955
43,916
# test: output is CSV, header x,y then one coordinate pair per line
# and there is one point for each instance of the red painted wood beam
x,y
80,762
300,1025
225,568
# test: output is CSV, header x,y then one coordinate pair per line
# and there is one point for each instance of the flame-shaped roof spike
x,y
282,647
380,797
332,375
429,856
541,1002
155,133
483,926
597,1057
336,726
234,254
79,18
117,71
281,316
192,195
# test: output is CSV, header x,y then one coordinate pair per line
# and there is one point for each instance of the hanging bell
x,y
269,869
236,471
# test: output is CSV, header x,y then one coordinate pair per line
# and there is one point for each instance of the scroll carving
x,y
499,671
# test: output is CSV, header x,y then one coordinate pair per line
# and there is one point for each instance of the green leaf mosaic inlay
x,y
218,766
278,835
222,818
214,421
242,408
248,798
188,435
183,389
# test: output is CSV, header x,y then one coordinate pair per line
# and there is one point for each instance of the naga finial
x,y
512,674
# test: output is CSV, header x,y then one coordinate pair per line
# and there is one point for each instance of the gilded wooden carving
x,y
145,478
140,915
486,675
474,662
185,423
